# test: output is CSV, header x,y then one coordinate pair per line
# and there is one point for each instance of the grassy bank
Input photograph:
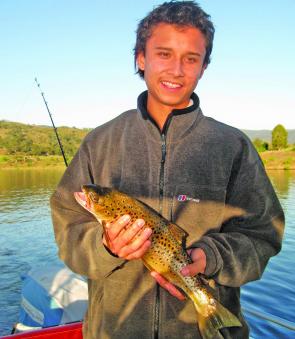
x,y
279,159
271,159
23,161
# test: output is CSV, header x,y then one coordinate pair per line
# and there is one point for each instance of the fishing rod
x,y
55,129
270,317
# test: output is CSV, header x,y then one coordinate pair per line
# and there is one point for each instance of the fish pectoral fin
x,y
179,233
215,321
209,283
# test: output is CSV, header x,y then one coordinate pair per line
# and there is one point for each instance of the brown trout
x,y
167,254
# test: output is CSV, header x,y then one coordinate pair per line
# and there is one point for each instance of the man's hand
x,y
198,257
167,285
126,240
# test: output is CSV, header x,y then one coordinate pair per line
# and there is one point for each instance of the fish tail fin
x,y
221,317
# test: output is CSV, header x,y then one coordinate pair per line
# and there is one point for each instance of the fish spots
x,y
166,254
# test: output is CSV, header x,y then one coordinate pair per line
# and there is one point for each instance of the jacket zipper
x,y
163,149
161,191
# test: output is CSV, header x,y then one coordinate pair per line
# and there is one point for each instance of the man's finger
x,y
126,236
140,252
199,263
135,245
117,226
167,286
191,269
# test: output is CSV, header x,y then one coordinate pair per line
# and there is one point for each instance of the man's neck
x,y
160,117
160,113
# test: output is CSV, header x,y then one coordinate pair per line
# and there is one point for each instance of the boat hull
x,y
69,331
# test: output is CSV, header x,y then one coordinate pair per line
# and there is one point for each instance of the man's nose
x,y
177,67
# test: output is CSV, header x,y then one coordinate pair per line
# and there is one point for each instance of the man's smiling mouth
x,y
170,84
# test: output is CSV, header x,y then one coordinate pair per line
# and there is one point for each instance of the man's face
x,y
172,65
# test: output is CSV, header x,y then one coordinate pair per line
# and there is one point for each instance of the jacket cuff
x,y
211,258
108,261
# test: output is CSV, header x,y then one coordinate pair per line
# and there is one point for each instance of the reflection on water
x,y
26,236
22,179
271,297
282,181
24,193
27,240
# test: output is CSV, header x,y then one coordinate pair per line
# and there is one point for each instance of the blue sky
x,y
82,54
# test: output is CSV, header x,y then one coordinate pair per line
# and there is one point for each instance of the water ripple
x,y
27,241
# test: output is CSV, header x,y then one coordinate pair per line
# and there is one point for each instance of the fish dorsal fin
x,y
178,232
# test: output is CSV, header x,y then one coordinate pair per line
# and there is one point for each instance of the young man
x,y
201,174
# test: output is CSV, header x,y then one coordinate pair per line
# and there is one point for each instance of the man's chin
x,y
176,104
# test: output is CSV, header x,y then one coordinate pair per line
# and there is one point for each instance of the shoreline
x,y
22,161
273,160
278,160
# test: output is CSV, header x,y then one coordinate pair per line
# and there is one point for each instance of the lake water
x,y
26,241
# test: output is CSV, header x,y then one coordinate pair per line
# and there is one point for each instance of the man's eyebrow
x,y
163,49
170,50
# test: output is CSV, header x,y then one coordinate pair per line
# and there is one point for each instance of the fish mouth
x,y
82,200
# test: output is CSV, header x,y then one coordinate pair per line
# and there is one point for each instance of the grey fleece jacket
x,y
199,173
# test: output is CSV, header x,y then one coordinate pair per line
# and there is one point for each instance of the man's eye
x,y
163,54
191,60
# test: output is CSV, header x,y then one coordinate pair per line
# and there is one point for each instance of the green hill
x,y
33,140
24,145
18,138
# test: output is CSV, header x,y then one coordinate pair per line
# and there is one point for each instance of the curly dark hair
x,y
181,13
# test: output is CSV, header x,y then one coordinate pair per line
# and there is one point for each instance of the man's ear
x,y
140,60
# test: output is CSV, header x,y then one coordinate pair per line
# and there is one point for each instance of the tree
x,y
260,145
279,137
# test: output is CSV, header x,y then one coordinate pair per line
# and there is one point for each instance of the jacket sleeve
x,y
240,252
78,234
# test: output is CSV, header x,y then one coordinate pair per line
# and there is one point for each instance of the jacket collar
x,y
178,122
142,106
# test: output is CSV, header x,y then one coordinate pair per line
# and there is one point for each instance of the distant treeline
x,y
18,138
266,135
280,140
